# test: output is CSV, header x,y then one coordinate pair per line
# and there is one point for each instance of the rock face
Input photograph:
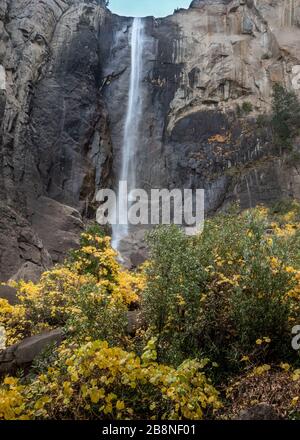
x,y
64,75
59,226
55,145
19,244
200,66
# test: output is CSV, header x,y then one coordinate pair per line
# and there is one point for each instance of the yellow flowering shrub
x,y
13,319
53,299
96,257
12,402
94,381
130,286
88,294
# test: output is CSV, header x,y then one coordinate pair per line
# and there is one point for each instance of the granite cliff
x,y
64,73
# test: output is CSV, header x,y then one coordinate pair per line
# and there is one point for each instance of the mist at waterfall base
x,y
144,8
132,122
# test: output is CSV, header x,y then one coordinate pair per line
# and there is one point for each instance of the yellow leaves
x,y
233,281
296,375
130,285
220,138
42,402
285,366
180,300
262,211
150,354
43,378
219,261
96,394
74,376
289,217
290,269
108,409
120,405
81,380
295,401
11,399
286,230
294,293
259,371
67,389
70,362
270,241
275,264
55,300
27,290
12,381
265,340
14,321
185,391
90,250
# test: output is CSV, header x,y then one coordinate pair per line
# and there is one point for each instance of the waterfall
x,y
131,135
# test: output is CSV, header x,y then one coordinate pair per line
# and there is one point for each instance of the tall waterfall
x,y
131,134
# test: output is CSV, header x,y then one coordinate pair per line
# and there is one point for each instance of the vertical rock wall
x,y
64,75
55,147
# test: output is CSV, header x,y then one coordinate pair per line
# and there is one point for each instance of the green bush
x,y
247,107
171,297
215,295
100,317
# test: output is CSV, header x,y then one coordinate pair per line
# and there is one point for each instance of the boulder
x,y
28,272
138,258
135,321
58,225
9,293
27,350
24,353
261,411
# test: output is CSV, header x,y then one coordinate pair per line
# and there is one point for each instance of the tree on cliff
x,y
286,111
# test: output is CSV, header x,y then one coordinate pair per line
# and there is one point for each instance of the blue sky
x,y
142,8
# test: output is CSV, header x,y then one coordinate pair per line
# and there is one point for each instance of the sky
x,y
142,8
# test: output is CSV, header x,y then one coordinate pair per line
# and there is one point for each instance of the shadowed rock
x,y
9,293
25,352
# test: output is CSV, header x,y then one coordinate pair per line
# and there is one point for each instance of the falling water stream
x,y
131,133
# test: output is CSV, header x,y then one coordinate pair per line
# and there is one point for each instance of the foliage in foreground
x,y
93,381
217,309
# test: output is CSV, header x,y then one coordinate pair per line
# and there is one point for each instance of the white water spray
x,y
131,129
